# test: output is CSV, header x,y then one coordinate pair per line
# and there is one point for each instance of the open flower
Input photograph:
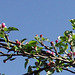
x,y
59,38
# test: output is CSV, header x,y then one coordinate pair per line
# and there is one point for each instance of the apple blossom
x,y
58,37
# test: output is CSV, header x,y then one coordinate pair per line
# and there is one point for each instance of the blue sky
x,y
31,17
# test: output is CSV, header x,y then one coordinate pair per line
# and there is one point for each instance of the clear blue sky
x,y
31,17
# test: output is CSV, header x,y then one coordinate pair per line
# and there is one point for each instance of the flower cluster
x,y
40,35
17,42
52,43
52,53
71,53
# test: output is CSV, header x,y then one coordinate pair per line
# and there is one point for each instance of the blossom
x,y
59,38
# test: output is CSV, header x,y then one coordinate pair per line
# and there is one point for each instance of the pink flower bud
x,y
3,25
35,47
53,62
56,41
53,53
49,64
52,43
69,36
36,35
41,36
74,53
47,51
71,53
17,42
68,54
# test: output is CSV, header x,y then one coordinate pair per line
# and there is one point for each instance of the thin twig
x,y
68,70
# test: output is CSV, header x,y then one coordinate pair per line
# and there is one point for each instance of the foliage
x,y
58,56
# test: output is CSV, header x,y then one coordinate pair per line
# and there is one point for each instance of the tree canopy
x,y
59,55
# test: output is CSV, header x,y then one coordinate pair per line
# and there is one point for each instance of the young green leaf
x,y
29,69
22,41
26,62
33,42
12,29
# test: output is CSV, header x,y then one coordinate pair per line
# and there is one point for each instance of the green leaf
x,y
73,37
5,29
50,72
37,59
60,44
28,47
63,38
69,50
37,38
27,61
37,68
29,69
61,50
66,46
1,35
73,23
67,32
33,42
13,29
73,27
3,74
45,39
39,48
59,69
22,41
